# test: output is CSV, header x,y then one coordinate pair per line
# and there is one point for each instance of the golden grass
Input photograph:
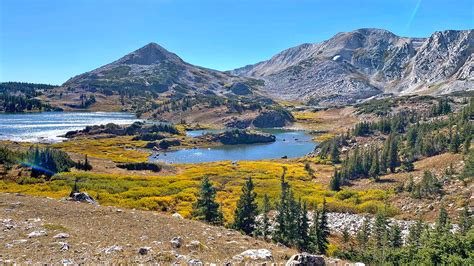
x,y
118,149
177,192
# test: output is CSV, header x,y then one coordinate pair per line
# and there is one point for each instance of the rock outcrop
x,y
356,65
237,136
306,259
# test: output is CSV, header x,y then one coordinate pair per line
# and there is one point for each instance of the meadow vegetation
x,y
177,192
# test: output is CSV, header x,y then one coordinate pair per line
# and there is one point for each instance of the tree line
x,y
291,224
381,242
407,140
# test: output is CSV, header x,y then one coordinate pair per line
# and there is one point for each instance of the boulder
x,y
177,215
82,197
64,246
112,249
195,244
256,254
37,234
177,242
144,250
195,262
305,259
61,235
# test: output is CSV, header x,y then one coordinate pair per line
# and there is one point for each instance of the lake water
x,y
49,126
288,143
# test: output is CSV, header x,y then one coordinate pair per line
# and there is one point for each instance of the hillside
x,y
363,63
154,82
99,234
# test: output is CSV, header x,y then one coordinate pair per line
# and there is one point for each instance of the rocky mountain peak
x,y
353,66
149,54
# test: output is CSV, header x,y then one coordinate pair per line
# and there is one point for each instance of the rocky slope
x,y
153,68
366,62
43,230
157,83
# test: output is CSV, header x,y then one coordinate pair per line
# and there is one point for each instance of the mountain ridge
x,y
356,65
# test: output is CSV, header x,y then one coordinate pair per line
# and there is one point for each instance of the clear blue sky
x,y
50,41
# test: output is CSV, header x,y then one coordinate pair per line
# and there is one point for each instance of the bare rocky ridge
x,y
366,62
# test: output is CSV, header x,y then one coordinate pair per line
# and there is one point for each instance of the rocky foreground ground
x,y
44,230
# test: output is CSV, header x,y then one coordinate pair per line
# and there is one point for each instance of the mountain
x,y
356,65
155,69
154,82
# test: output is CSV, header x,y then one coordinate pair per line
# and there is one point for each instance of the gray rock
x,y
177,242
61,235
37,234
177,215
112,249
256,254
82,197
305,259
144,250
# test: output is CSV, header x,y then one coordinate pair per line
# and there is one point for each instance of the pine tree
x,y
375,167
455,143
410,184
314,232
206,208
292,220
265,227
395,236
465,220
247,209
468,172
414,234
363,234
345,235
393,160
323,232
303,230
281,227
442,222
335,182
380,230
335,152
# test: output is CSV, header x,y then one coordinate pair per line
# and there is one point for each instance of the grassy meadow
x,y
177,192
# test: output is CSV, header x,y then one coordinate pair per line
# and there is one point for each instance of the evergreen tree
x,y
265,220
380,230
293,220
455,143
281,226
395,236
375,167
335,152
303,240
363,234
414,234
247,209
345,235
314,232
442,222
206,208
393,160
468,172
335,182
465,220
322,233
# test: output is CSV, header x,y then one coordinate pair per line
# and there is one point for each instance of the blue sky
x,y
49,41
